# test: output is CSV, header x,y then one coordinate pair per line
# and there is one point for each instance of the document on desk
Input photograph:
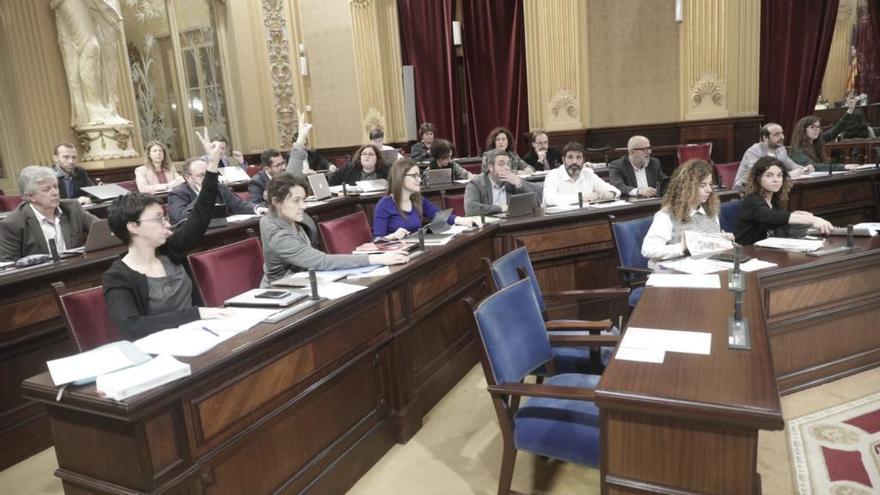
x,y
326,276
667,340
793,245
696,266
641,355
380,272
609,204
338,290
550,210
85,366
125,383
197,337
871,227
684,281
242,217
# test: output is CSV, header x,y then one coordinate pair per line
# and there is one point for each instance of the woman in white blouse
x,y
690,204
157,174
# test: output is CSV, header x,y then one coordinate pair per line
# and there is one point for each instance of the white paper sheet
x,y
794,245
242,217
700,266
381,272
181,342
337,290
872,227
641,355
131,381
684,281
88,364
667,340
559,209
609,204
754,265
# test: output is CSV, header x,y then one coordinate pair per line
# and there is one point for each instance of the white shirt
x,y
51,230
641,179
655,247
499,194
561,189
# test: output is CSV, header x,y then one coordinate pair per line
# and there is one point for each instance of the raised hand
x,y
211,150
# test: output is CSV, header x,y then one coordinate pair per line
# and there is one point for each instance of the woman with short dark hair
x,y
419,151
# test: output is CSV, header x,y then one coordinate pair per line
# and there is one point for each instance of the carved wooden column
x,y
281,69
556,64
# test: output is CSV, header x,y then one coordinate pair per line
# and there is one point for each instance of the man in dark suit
x,y
273,166
542,156
41,216
71,177
489,192
637,174
182,197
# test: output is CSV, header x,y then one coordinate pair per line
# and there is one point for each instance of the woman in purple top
x,y
401,213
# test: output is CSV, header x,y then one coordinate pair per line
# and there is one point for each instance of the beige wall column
x,y
556,64
377,66
837,70
720,60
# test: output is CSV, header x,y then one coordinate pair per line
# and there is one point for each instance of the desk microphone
x,y
313,283
53,250
849,236
830,169
422,239
737,327
580,199
344,189
737,306
482,219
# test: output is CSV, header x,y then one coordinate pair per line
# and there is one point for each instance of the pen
x,y
211,331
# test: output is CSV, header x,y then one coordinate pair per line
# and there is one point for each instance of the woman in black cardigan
x,y
366,164
760,213
147,288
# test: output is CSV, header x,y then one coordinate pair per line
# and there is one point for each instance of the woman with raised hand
x,y
808,141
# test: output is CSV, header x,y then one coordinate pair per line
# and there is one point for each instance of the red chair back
x,y
342,235
702,151
129,184
252,170
726,173
9,203
456,203
227,271
86,317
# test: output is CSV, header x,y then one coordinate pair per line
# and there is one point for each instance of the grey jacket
x,y
755,152
21,235
478,194
287,250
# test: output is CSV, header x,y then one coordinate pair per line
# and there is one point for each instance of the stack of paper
x,y
871,227
684,281
609,204
82,368
699,243
241,217
337,290
794,245
550,210
197,337
696,266
301,279
124,383
866,166
651,344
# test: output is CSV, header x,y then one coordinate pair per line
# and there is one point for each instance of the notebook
x,y
105,192
521,204
127,382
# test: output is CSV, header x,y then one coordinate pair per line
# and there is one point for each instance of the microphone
x,y
580,199
830,169
344,189
54,250
422,239
313,283
849,236
737,306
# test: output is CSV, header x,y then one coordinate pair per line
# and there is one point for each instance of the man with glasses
x,y
637,174
771,144
487,193
273,166
542,156
42,217
182,197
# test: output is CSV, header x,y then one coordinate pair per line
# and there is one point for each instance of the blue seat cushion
x,y
559,428
635,295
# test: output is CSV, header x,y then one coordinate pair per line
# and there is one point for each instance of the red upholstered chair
x,y
129,184
252,170
342,235
456,202
9,203
227,271
86,317
726,173
702,151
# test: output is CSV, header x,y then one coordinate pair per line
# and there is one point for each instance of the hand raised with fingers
x,y
212,151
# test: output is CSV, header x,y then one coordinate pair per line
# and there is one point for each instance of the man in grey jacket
x,y
771,144
488,193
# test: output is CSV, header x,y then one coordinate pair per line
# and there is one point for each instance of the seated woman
x,y
367,164
441,157
760,215
288,233
808,141
690,204
157,174
419,151
147,289
502,139
401,213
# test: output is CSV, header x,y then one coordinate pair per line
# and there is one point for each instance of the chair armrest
x,y
577,325
585,340
609,293
549,391
634,271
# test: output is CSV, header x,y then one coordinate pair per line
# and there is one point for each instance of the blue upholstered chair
x,y
628,236
728,215
559,419
516,265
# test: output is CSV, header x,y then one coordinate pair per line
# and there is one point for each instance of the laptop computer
x,y
105,192
438,177
521,204
234,174
100,237
219,212
439,223
389,156
320,187
375,185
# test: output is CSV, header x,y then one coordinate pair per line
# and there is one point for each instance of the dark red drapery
x,y
426,43
493,33
795,42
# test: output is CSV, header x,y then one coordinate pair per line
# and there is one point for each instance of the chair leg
x,y
508,461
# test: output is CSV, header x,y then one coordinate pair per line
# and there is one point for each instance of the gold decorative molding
x,y
707,87
373,119
362,4
564,100
279,62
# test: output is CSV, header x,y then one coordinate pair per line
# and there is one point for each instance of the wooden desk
x,y
841,198
311,402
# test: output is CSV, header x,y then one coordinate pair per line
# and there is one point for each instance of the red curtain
x,y
795,42
426,39
493,33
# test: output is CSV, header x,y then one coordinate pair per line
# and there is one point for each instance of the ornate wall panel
x,y
281,69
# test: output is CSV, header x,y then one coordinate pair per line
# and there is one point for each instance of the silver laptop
x,y
105,192
521,204
100,237
320,187
389,156
438,177
234,174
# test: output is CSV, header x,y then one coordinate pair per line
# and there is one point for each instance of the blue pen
x,y
211,331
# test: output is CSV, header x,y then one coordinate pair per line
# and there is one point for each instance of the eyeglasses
x,y
414,175
646,149
160,220
815,126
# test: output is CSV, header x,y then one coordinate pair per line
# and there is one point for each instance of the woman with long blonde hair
x,y
157,174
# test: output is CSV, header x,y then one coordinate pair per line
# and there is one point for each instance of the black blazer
x,y
554,159
80,179
21,235
756,220
351,174
622,176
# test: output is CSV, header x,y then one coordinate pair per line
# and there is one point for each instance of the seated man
x,y
487,193
771,144
636,173
71,177
562,185
273,166
182,197
222,143
542,156
42,216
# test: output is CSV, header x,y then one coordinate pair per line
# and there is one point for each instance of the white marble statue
x,y
88,33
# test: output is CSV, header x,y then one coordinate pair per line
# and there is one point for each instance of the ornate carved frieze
x,y
373,119
707,87
563,101
361,4
105,142
279,63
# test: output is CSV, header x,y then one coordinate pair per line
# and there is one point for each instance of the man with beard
x,y
488,193
562,185
771,144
